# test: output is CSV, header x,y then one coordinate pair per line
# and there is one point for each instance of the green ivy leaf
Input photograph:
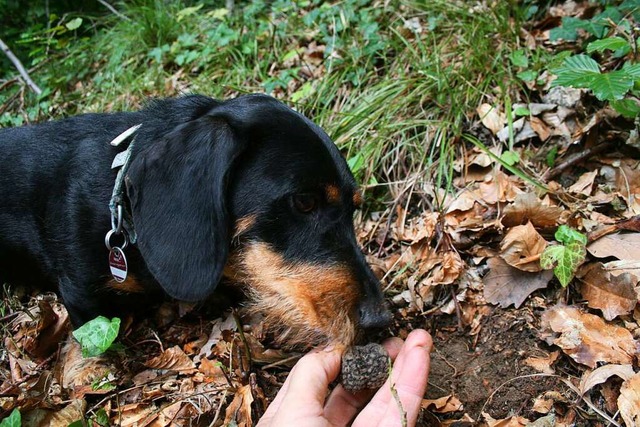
x,y
567,257
576,71
610,43
13,420
97,335
611,86
629,108
566,260
565,234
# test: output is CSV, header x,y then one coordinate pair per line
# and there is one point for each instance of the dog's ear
x,y
177,189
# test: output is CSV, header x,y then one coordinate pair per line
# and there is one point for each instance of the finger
x,y
307,386
342,405
409,379
271,411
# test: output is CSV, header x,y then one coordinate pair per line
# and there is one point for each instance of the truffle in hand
x,y
364,367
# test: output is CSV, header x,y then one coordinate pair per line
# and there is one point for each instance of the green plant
x,y
614,43
566,257
97,335
13,420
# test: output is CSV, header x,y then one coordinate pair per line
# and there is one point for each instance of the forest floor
x,y
513,345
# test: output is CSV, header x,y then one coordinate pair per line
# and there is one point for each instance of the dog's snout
x,y
374,316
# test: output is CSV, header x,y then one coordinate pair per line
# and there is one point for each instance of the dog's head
x,y
257,191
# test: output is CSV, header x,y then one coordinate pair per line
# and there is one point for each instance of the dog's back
x,y
44,168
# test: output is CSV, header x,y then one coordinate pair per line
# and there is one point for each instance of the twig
x,y
281,362
222,400
573,159
16,62
113,10
396,397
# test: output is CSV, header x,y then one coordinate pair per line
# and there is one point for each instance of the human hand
x,y
303,401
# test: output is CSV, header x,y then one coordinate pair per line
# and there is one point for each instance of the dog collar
x,y
120,217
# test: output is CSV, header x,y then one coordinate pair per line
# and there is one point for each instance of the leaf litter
x,y
513,346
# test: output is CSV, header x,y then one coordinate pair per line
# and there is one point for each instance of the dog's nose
x,y
374,316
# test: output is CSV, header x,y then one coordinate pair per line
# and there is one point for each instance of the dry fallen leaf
x,y
621,246
514,421
629,401
239,410
528,207
449,270
542,405
443,404
131,415
172,359
79,372
586,338
506,285
602,374
521,248
491,118
584,184
499,187
543,364
613,295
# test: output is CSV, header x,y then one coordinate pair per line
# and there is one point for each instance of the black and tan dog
x,y
246,188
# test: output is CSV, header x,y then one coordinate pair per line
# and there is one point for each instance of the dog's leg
x,y
81,302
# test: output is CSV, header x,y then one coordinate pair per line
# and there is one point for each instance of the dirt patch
x,y
486,372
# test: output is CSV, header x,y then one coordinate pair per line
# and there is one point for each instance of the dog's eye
x,y
305,202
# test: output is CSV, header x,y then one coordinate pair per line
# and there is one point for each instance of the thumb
x,y
305,390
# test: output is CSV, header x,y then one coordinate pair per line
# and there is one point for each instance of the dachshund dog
x,y
246,189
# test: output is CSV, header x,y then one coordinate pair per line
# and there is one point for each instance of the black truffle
x,y
364,367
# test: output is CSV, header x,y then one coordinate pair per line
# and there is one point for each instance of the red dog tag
x,y
118,264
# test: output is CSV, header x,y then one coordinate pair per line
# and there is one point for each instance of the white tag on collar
x,y
120,159
124,135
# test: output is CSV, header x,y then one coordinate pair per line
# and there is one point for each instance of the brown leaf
x,y
584,184
528,207
622,246
501,188
506,285
543,364
213,372
172,359
542,405
167,415
514,421
219,325
443,405
599,375
586,338
132,414
450,269
491,118
521,248
74,411
613,295
540,128
79,372
239,410
629,401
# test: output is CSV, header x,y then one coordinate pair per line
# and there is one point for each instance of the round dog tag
x,y
118,264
